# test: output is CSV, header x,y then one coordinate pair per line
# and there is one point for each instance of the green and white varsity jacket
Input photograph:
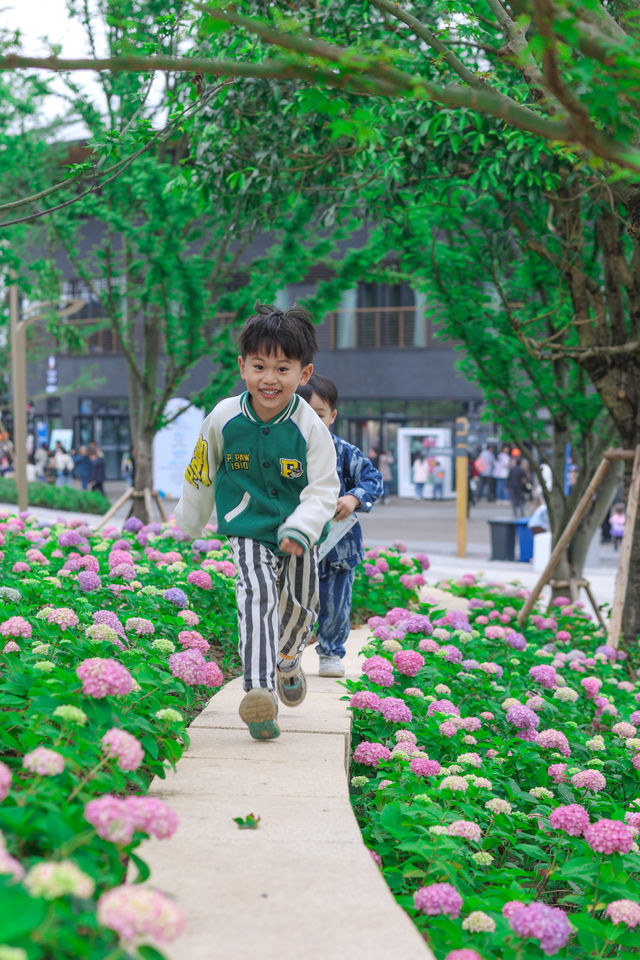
x,y
268,480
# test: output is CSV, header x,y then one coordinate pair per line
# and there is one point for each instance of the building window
x,y
378,315
90,319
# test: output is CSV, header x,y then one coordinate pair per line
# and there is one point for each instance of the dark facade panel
x,y
399,374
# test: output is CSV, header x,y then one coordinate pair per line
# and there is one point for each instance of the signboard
x,y
63,435
435,446
51,385
173,447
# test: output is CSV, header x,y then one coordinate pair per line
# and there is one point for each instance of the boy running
x,y
360,486
270,466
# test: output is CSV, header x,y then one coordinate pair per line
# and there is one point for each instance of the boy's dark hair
x,y
322,387
269,329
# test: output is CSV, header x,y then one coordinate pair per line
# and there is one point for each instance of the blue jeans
x,y
501,488
336,586
419,488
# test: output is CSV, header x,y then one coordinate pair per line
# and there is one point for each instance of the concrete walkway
x,y
302,885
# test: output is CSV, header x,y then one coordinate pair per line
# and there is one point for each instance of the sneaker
x,y
259,710
330,666
291,685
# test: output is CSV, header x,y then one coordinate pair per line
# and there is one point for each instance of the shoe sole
x,y
283,691
259,711
331,672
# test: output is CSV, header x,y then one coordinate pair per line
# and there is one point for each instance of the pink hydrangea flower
x,y
609,836
624,730
152,816
11,647
193,640
408,662
443,706
395,710
365,700
135,913
370,754
438,898
140,626
466,829
522,717
377,859
190,617
63,617
103,677
447,729
111,819
9,865
558,772
212,675
545,675
591,686
427,645
45,762
20,567
624,911
549,925
422,767
572,819
200,578
382,678
5,781
16,627
591,780
126,748
463,954
553,740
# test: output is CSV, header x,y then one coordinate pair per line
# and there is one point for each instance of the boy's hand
x,y
287,545
345,506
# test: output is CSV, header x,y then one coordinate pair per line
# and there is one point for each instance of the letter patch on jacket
x,y
238,461
198,470
291,469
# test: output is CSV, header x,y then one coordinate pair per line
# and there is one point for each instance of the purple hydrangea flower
x,y
132,525
176,596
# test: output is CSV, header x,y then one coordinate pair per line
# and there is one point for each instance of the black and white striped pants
x,y
277,599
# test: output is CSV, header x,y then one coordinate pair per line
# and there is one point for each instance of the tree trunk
x,y
143,476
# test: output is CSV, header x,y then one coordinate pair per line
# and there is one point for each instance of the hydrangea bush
x,y
496,777
109,645
389,577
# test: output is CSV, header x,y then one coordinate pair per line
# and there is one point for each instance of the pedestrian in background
x,y
385,460
64,465
96,477
616,524
484,466
516,485
501,472
40,460
419,475
83,466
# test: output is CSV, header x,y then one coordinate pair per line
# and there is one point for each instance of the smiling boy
x,y
269,464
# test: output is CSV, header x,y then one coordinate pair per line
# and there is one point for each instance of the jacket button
x,y
266,464
265,430
274,492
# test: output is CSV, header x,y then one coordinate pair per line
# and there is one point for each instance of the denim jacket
x,y
358,477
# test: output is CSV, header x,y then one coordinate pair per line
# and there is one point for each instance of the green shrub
x,y
58,498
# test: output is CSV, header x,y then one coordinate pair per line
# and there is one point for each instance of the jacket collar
x,y
245,406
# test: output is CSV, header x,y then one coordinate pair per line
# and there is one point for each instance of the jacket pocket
x,y
244,503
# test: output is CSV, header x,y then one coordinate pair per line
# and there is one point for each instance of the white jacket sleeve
x,y
198,493
318,499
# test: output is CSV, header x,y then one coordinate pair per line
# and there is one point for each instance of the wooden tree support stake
x,y
131,494
622,576
565,537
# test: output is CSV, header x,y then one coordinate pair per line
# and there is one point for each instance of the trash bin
x,y
503,539
525,539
